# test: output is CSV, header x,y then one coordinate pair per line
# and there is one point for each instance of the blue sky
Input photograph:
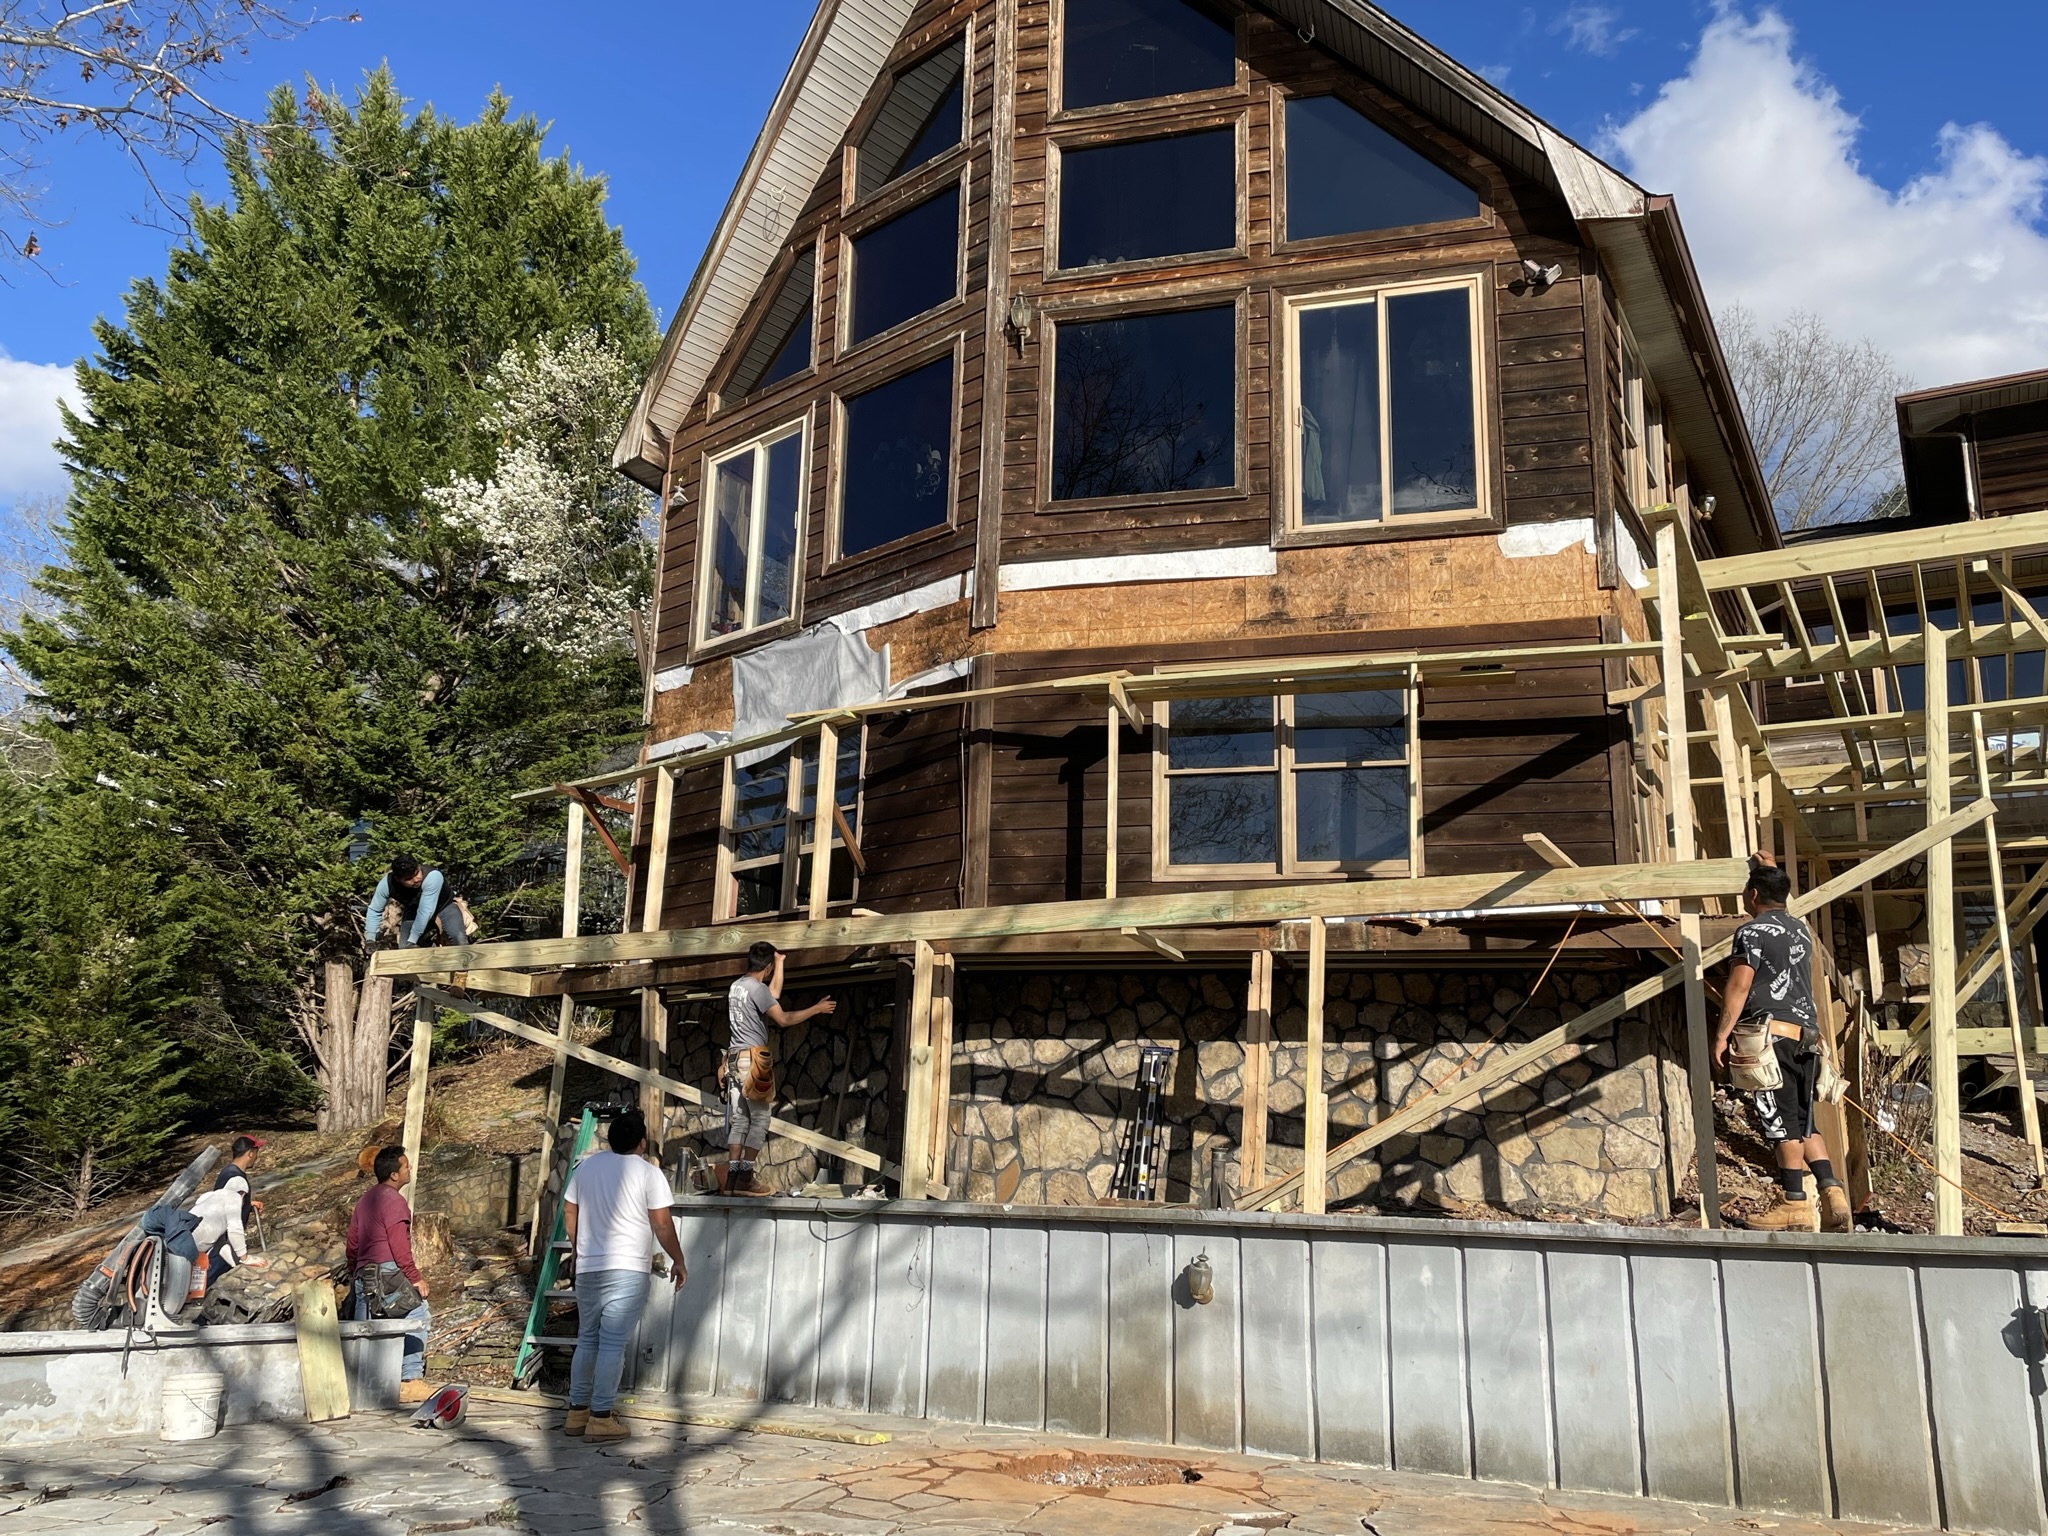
x,y
1849,159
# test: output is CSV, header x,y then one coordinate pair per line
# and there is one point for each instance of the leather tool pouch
x,y
1752,1062
386,1289
760,1075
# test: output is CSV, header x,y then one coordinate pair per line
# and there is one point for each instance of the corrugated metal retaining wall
x,y
1866,1378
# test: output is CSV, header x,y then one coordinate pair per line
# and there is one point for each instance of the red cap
x,y
254,1141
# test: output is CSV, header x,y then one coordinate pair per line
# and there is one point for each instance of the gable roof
x,y
1642,247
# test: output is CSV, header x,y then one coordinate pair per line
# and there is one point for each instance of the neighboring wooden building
x,y
1044,338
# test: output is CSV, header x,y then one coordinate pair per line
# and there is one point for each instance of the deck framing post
x,y
822,802
1941,948
416,1088
1258,1060
1699,1059
1315,1107
917,1077
572,924
944,973
1111,784
2030,1113
654,1057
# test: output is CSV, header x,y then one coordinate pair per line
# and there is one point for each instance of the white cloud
x,y
1592,28
29,427
1949,274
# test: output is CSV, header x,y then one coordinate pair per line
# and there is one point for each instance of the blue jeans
x,y
608,1307
413,1364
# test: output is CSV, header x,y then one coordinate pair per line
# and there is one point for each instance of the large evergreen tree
x,y
266,630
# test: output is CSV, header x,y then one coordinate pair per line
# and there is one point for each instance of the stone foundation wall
x,y
1045,1065
831,1073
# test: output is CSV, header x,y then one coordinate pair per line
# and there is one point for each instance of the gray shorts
x,y
746,1122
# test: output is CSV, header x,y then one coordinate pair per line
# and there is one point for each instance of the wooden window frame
x,y
718,402
1236,117
1286,866
1288,529
701,644
850,199
1087,311
898,199
1056,76
795,891
953,346
1366,240
1641,422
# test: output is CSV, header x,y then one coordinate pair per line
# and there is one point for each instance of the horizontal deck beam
x,y
1430,895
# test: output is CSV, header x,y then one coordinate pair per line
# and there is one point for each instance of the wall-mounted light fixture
x,y
1020,318
1540,276
1201,1280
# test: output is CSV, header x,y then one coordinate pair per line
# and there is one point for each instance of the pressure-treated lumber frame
x,y
1514,1063
1588,886
846,1151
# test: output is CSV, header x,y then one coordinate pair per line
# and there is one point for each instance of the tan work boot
x,y
411,1392
610,1427
577,1421
1835,1215
1790,1215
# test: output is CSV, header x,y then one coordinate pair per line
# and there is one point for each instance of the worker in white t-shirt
x,y
615,1210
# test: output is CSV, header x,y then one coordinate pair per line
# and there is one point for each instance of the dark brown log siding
x,y
1541,397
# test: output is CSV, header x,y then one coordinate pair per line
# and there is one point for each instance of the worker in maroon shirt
x,y
384,1279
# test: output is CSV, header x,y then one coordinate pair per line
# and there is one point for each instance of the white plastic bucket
x,y
192,1405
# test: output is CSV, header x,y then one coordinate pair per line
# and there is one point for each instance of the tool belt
x,y
385,1290
1752,1062
753,1068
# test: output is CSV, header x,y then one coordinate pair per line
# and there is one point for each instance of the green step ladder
x,y
526,1368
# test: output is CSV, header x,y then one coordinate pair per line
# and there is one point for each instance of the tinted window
x,y
906,266
782,346
1155,197
1144,404
898,449
1347,176
1340,414
919,122
1130,50
1429,389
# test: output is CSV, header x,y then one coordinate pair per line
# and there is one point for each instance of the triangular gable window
x,y
1134,50
781,348
920,121
1346,175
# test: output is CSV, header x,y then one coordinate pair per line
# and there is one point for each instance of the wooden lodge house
x,y
1256,532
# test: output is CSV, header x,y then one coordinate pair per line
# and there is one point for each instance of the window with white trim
x,y
770,829
1304,783
753,534
1385,394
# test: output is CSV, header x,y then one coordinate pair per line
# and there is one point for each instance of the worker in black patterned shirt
x,y
1770,1041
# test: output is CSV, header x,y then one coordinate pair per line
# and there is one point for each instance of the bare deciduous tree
x,y
1820,413
138,72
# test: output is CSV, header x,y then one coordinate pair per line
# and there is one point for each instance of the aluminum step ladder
x,y
547,1282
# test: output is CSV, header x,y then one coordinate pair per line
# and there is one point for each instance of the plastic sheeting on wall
x,y
819,669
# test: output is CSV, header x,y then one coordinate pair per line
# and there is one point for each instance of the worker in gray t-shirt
x,y
746,1072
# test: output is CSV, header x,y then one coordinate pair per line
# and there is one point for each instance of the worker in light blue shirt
x,y
423,900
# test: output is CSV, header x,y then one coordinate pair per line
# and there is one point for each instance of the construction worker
x,y
1769,996
384,1277
423,899
746,1071
615,1208
234,1174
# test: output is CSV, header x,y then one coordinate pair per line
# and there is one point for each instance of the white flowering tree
x,y
571,532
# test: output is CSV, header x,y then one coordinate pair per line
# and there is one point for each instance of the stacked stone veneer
x,y
1044,1084
831,1073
